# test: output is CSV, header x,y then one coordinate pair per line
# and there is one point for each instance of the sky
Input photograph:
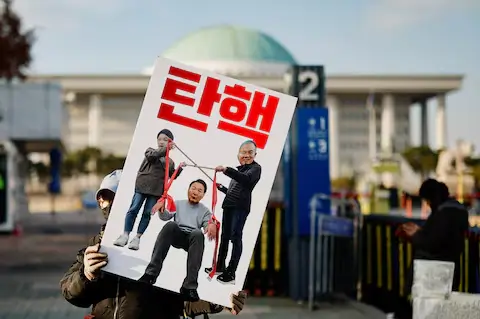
x,y
347,36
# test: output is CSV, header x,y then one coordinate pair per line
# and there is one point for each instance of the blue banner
x,y
312,165
287,182
336,226
55,171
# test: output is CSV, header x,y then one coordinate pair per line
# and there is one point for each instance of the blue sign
x,y
336,226
287,182
54,186
312,164
89,201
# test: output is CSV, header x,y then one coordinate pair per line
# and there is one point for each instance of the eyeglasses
x,y
247,152
200,190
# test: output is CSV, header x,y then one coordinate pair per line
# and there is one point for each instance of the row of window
x,y
364,116
351,132
348,146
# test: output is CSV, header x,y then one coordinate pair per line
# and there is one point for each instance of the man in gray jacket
x,y
148,188
184,232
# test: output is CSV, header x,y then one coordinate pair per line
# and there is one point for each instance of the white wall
x,y
119,114
353,129
119,117
31,111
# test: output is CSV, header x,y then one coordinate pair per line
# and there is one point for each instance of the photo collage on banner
x,y
196,181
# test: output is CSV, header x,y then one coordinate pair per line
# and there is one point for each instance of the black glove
x,y
238,301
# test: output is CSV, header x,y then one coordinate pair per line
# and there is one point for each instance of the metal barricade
x,y
388,258
334,252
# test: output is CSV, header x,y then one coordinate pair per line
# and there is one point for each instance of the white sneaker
x,y
121,240
135,243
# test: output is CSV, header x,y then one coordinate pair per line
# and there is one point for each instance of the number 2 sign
x,y
310,85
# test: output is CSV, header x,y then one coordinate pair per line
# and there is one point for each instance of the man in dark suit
x,y
236,207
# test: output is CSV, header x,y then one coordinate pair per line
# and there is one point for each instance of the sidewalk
x,y
38,296
48,242
31,266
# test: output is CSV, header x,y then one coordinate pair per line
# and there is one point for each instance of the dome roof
x,y
233,51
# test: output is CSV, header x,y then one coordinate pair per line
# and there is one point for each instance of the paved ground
x,y
32,264
36,295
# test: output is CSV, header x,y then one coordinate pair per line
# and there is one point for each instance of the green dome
x,y
229,43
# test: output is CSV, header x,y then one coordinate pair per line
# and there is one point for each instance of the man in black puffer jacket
x,y
441,238
113,297
236,207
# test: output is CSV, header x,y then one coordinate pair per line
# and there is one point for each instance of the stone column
x,y
94,119
94,133
372,126
441,122
333,133
423,123
388,124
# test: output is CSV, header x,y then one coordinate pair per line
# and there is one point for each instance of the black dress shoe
x,y
147,279
189,294
219,271
228,277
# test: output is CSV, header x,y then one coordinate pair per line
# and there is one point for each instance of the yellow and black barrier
x,y
387,260
269,273
266,275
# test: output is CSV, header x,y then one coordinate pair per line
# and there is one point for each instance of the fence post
x,y
319,260
311,259
324,255
357,246
323,250
316,275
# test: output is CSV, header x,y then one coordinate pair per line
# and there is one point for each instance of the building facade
x,y
369,114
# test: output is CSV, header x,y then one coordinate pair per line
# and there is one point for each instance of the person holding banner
x,y
111,296
184,232
236,207
148,188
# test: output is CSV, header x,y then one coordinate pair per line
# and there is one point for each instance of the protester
x,y
185,232
236,207
114,297
443,234
148,188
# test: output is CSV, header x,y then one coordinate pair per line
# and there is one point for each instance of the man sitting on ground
x,y
184,232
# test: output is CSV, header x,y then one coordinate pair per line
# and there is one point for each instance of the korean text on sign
x,y
245,113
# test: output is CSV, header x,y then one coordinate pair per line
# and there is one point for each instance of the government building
x,y
102,109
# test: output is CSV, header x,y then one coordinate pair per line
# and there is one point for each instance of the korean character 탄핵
x,y
236,106
176,82
259,116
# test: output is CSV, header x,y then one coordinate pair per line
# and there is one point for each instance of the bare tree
x,y
15,44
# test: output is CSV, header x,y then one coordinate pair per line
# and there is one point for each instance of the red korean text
x,y
172,94
243,112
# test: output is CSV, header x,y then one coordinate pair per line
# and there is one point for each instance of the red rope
x,y
216,222
169,201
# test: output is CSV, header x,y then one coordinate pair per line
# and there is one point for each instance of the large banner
x,y
306,153
305,170
197,132
312,165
